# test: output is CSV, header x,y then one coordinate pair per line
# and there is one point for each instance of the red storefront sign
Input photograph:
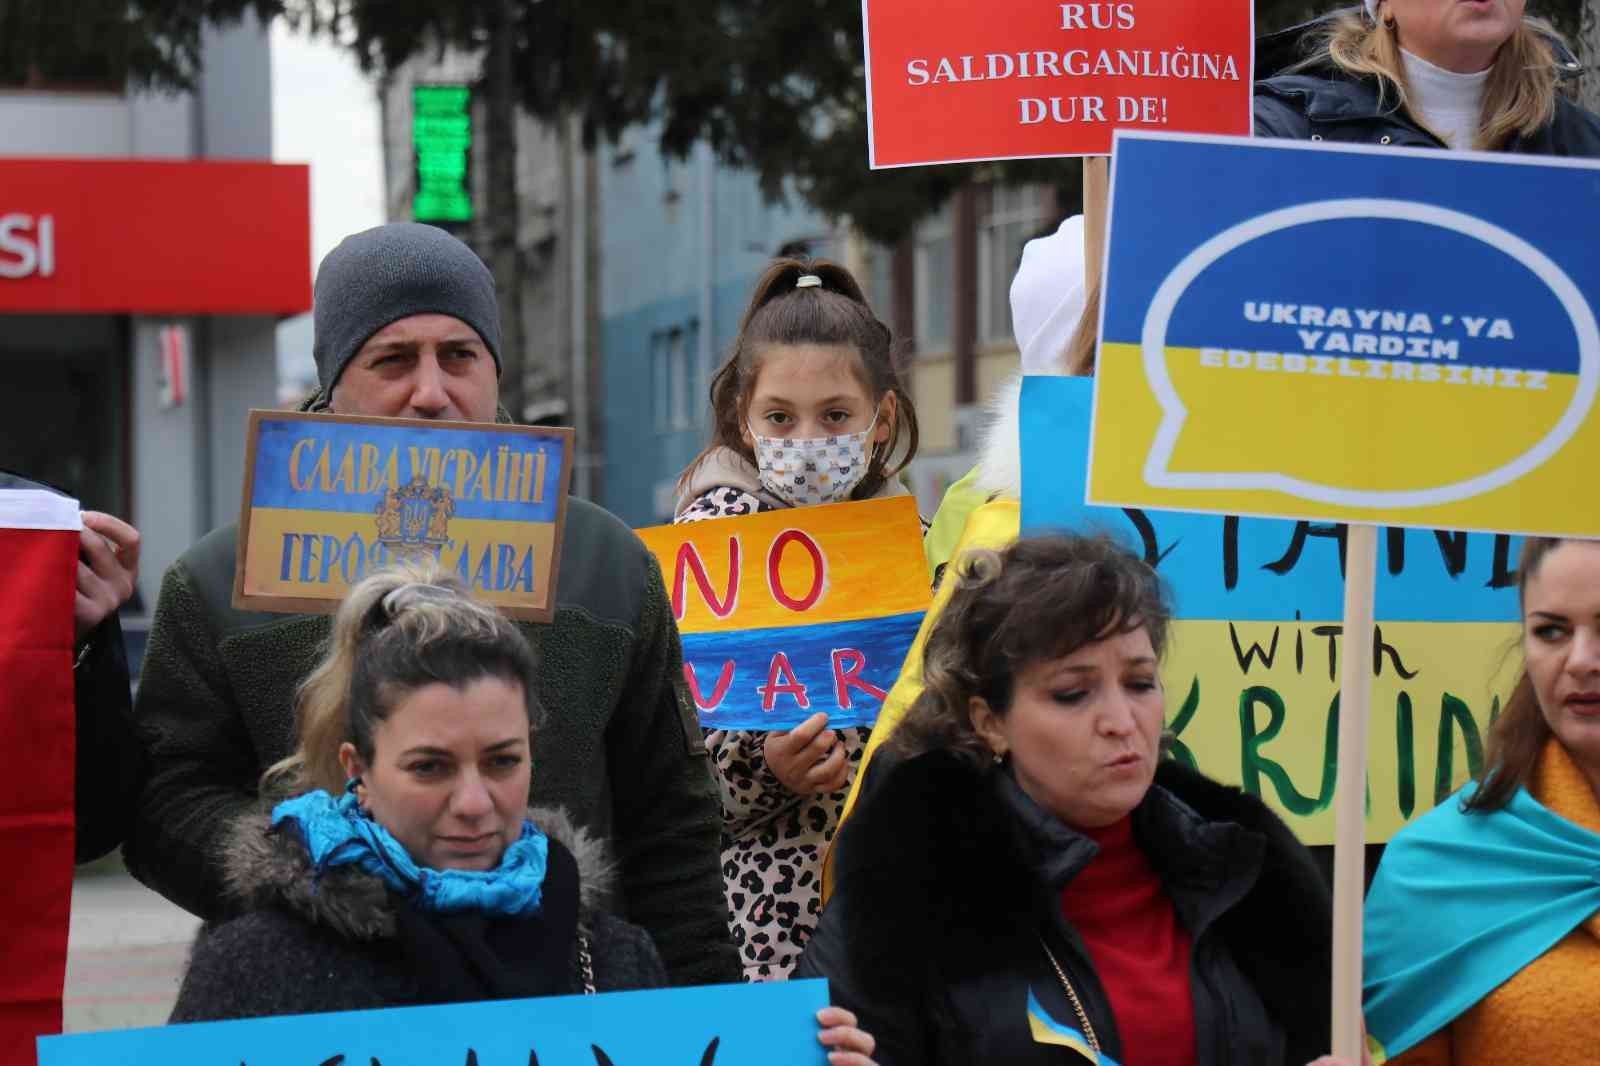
x,y
952,81
154,237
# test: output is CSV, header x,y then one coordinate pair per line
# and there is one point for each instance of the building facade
x,y
554,287
143,269
635,269
681,246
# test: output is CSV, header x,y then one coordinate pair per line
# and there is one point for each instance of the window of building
x,y
672,377
1016,214
935,282
678,356
877,279
660,382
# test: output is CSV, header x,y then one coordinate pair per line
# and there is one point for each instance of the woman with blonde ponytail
x,y
1481,75
400,863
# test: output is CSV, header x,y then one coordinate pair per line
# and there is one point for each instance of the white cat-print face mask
x,y
814,470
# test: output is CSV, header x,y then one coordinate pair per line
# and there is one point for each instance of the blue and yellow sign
x,y
1350,334
787,613
330,498
1252,667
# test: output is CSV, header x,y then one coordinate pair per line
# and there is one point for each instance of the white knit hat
x,y
1047,297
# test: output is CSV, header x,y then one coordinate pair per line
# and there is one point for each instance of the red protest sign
x,y
952,81
39,539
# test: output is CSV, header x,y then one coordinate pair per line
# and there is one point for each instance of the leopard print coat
x,y
773,841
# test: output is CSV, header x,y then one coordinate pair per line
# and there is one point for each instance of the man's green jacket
x,y
621,748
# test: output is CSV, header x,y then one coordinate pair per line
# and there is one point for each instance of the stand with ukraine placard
x,y
1368,336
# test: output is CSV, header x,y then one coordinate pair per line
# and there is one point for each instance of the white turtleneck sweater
x,y
1448,103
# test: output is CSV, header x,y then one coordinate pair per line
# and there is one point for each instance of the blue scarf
x,y
1461,903
338,832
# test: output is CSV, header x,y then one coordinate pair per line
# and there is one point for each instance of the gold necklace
x,y
1083,1018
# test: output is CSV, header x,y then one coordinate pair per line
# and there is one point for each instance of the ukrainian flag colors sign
x,y
330,498
791,612
1387,336
1252,669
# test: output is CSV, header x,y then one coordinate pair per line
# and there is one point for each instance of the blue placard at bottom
x,y
772,1023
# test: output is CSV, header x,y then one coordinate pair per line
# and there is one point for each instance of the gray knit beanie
x,y
387,273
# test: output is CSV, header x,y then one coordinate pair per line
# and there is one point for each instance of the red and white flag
x,y
38,569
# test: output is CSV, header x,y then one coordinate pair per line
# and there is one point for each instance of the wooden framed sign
x,y
328,499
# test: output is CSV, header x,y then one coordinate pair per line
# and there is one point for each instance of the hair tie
x,y
807,281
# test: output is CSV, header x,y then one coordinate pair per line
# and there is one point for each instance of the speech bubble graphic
x,y
1158,468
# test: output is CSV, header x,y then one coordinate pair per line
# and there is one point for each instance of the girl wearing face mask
x,y
809,409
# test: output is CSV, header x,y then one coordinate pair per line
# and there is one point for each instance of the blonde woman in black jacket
x,y
1425,74
402,865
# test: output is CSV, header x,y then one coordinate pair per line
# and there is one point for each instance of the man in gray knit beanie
x,y
405,324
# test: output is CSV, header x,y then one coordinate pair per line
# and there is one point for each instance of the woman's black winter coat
x,y
345,942
1323,103
948,877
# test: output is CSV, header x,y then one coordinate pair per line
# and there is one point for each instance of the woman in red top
x,y
1027,873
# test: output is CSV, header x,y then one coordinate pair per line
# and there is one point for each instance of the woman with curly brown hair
x,y
1028,871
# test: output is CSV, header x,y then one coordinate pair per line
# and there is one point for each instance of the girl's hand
x,y
847,1045
808,759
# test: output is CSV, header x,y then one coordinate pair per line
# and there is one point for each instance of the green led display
x,y
441,138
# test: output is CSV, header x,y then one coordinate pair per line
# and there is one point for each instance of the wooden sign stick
x,y
1350,818
1096,189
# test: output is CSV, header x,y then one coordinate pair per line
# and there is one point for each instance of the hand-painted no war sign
x,y
787,613
1350,334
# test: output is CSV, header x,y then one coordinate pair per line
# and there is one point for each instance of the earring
x,y
999,758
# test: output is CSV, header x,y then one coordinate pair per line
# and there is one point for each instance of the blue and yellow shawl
x,y
1461,903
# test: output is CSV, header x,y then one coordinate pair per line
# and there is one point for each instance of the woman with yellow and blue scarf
x,y
403,865
1483,924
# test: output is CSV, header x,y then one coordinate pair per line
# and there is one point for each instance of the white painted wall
x,y
65,124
